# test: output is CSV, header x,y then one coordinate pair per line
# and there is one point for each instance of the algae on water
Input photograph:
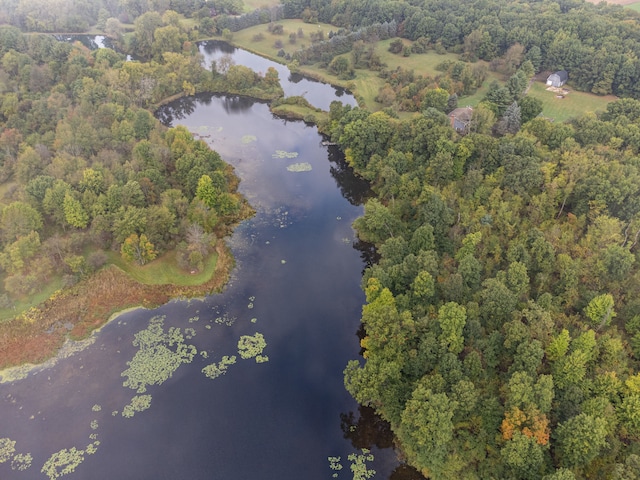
x,y
250,346
160,354
139,403
300,167
62,462
284,154
216,369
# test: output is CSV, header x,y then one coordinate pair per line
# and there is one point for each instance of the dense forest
x,y
501,334
598,44
502,325
85,165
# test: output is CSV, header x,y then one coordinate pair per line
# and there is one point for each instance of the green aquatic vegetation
x,y
194,319
334,464
160,354
189,333
92,448
300,167
208,327
96,408
359,465
284,154
62,463
114,413
94,424
204,354
254,320
216,369
7,447
250,346
246,139
225,320
139,403
93,436
262,358
21,461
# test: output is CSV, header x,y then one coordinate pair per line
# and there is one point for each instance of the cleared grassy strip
x,y
26,303
251,5
634,6
572,105
165,270
266,46
421,63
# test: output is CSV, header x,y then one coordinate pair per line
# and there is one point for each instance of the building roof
x,y
463,114
562,75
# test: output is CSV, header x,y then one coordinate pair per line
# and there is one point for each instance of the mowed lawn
x,y
572,105
251,5
266,46
634,6
165,270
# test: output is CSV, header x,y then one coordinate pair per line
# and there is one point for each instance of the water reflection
x,y
354,188
317,93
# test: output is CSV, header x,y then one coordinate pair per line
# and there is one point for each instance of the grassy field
x,y
266,46
366,84
26,303
634,6
251,5
572,105
165,270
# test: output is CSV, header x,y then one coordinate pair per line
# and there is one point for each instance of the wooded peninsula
x,y
501,333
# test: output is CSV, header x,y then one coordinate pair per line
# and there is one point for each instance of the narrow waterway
x,y
318,94
297,283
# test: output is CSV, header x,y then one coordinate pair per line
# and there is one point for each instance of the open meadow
x,y
366,83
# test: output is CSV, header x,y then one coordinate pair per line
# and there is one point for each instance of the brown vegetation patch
x,y
39,333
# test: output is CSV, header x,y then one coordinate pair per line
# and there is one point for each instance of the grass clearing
x,y
165,270
266,46
367,84
421,63
572,105
251,5
634,6
26,303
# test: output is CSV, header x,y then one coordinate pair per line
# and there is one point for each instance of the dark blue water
x,y
318,94
297,282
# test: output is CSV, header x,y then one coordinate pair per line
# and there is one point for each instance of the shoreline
x,y
38,336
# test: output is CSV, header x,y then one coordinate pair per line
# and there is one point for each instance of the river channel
x,y
167,394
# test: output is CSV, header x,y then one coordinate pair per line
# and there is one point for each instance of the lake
x,y
192,407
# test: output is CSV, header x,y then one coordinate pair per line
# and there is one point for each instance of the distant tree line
x,y
598,44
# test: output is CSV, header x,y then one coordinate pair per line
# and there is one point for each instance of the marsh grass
x,y
35,335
